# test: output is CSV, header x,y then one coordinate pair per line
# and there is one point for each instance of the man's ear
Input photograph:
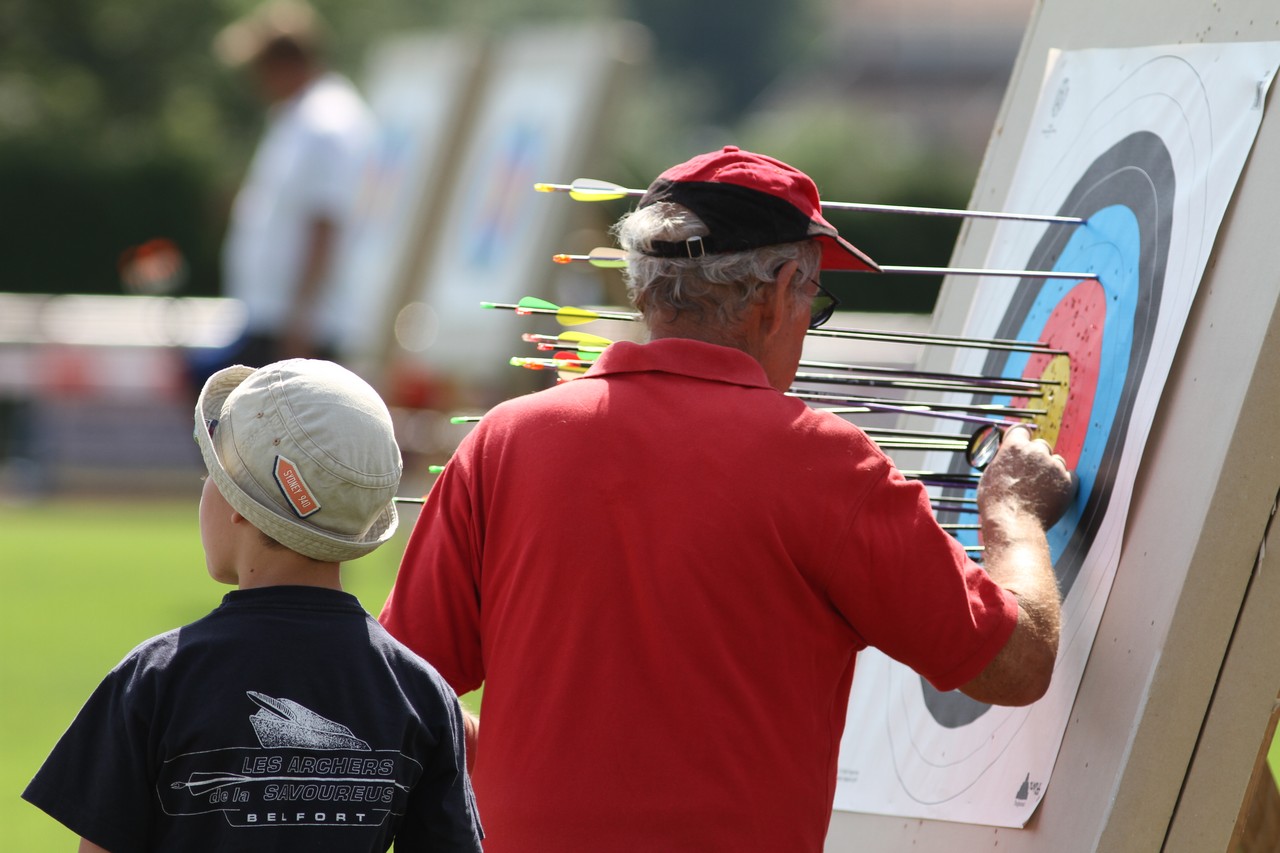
x,y
779,303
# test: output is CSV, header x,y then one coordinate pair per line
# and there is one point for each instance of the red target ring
x,y
1075,326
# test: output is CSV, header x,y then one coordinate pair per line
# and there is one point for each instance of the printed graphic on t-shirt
x,y
283,723
307,770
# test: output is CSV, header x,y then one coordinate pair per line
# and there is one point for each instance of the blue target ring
x,y
1127,196
1108,246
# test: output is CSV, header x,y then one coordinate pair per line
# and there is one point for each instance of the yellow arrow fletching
x,y
575,316
588,189
585,339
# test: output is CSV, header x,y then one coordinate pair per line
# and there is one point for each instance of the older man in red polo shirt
x,y
662,572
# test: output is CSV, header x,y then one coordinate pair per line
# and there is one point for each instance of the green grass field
x,y
83,584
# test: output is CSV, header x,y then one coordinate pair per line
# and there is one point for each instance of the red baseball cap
x,y
747,201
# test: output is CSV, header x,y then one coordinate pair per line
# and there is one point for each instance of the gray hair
x,y
719,287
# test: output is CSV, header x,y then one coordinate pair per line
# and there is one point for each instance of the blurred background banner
x,y
422,89
547,93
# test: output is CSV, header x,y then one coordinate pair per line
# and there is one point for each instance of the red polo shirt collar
x,y
682,357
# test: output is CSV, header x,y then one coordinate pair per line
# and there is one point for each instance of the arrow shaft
x,y
1026,384
917,444
551,364
606,190
911,384
866,207
582,312
942,506
857,334
993,413
891,269
938,479
936,340
887,269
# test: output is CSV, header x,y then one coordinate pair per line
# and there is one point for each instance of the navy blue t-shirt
x,y
285,720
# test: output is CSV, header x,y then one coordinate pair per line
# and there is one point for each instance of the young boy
x,y
287,719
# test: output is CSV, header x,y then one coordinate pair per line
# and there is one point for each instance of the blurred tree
x,y
855,156
117,125
730,50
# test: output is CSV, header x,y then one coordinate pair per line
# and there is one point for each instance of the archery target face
x,y
1129,145
1127,190
1105,325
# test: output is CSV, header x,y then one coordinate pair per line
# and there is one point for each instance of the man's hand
x,y
1026,477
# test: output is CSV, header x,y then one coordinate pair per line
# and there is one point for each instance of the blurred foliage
x,y
856,157
117,124
729,50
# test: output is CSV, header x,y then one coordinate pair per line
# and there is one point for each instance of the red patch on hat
x,y
295,489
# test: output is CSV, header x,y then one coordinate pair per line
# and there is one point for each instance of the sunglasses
x,y
822,306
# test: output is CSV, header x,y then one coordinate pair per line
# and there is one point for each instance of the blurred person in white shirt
x,y
300,190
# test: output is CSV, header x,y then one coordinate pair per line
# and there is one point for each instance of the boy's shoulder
x,y
153,651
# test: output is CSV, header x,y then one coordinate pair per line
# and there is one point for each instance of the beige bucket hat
x,y
305,451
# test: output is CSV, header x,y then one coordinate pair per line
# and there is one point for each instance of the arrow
x,y
567,316
891,269
937,340
1024,385
570,316
566,362
584,346
605,258
978,414
912,384
576,339
584,353
916,439
943,478
570,365
616,259
589,189
944,506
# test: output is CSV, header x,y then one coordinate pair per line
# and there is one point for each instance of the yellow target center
x,y
1053,398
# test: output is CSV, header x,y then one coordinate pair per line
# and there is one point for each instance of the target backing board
x,y
1146,144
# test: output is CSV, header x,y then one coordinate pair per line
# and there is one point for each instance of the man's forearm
x,y
471,736
1022,493
1016,556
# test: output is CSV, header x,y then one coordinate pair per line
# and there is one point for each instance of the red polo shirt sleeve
x,y
434,606
908,588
